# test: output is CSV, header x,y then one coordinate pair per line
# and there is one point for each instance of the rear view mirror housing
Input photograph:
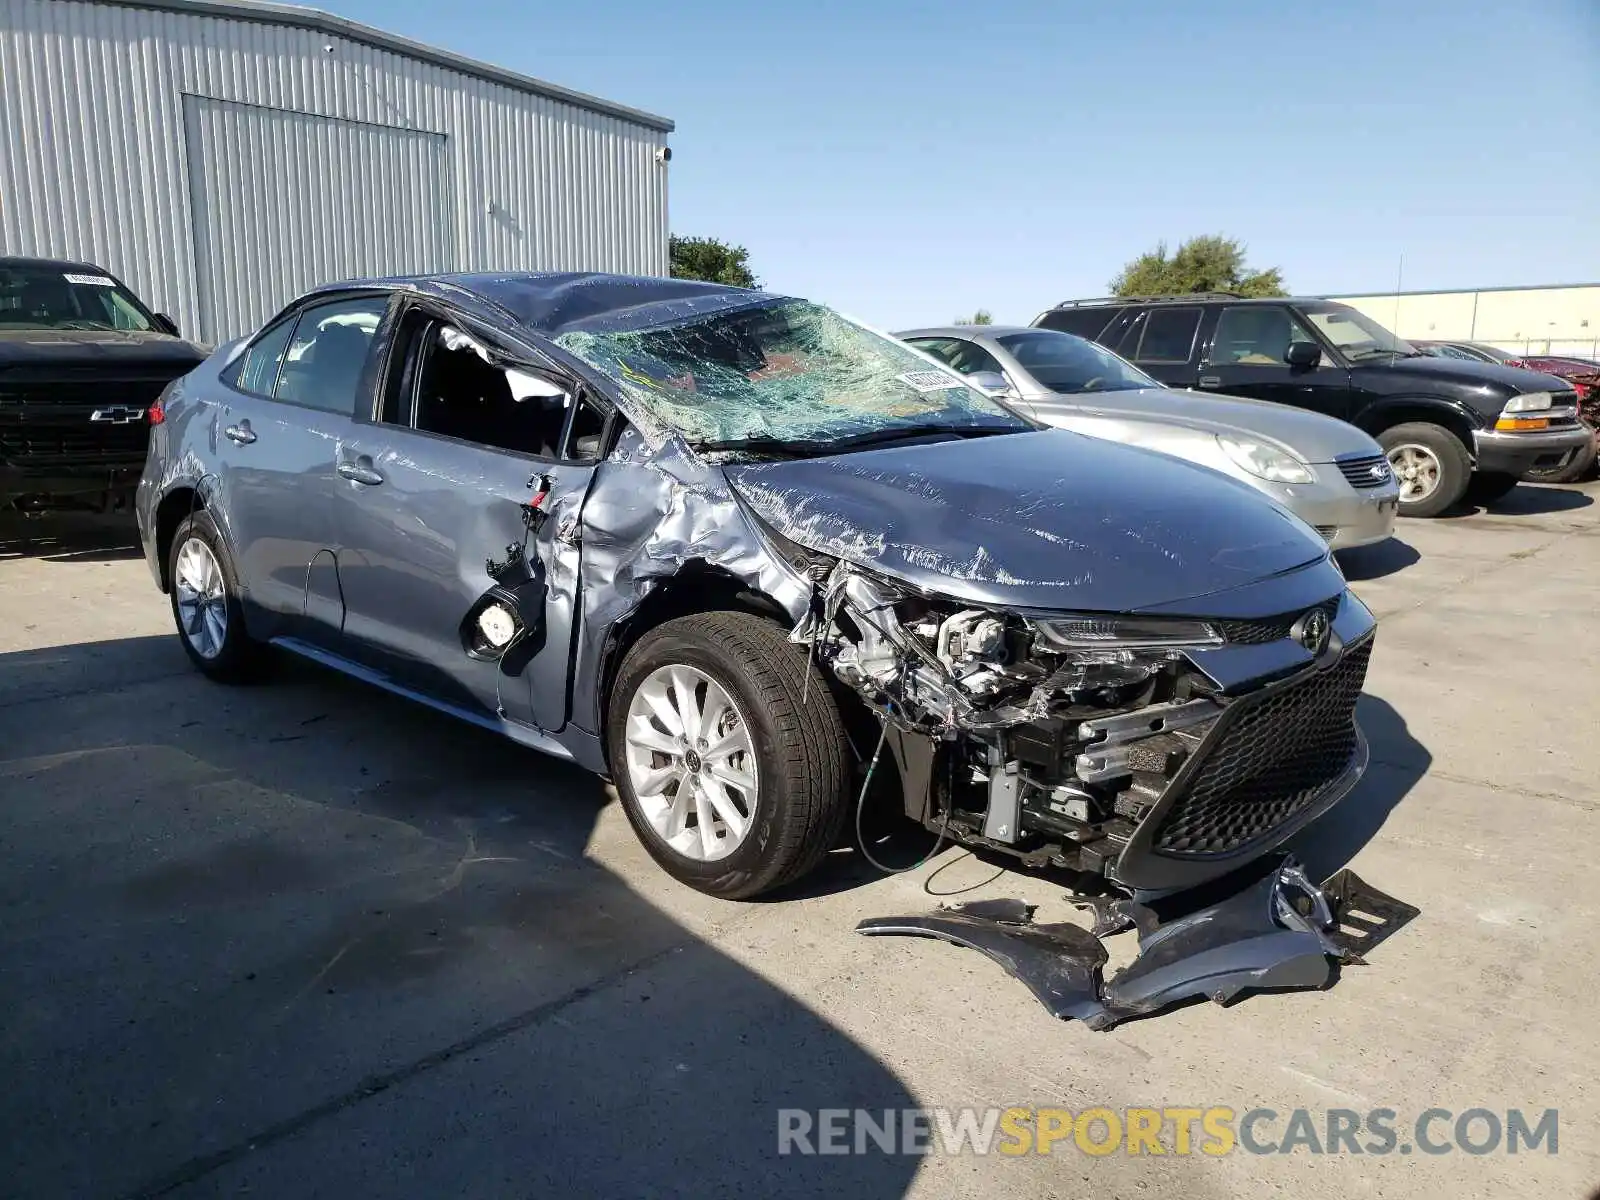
x,y
1303,354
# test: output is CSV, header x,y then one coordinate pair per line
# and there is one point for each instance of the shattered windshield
x,y
788,372
49,298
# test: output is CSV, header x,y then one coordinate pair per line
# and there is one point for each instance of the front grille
x,y
1258,630
1273,755
1369,471
49,425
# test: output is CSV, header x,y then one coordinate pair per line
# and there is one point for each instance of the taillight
x,y
156,413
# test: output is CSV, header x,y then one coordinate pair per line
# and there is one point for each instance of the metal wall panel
x,y
95,157
283,201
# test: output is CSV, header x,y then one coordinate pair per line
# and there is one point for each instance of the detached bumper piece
x,y
1276,931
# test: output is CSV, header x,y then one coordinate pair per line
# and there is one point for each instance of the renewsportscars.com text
x,y
1212,1131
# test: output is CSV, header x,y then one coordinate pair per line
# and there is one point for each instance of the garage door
x,y
283,201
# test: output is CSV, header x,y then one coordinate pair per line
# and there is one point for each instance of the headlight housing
x,y
1530,402
1095,631
1264,461
1097,652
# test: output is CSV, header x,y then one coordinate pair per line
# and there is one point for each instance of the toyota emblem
x,y
1313,630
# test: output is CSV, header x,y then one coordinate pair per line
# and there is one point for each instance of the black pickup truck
x,y
1452,429
81,362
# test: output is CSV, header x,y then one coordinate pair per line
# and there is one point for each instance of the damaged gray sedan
x,y
754,561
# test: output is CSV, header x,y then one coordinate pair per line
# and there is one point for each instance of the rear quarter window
x,y
1085,322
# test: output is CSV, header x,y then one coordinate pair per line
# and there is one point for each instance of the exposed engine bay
x,y
1055,738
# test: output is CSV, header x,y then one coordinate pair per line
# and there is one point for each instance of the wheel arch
x,y
697,587
1431,410
177,504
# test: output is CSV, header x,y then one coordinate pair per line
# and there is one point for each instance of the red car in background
x,y
1582,373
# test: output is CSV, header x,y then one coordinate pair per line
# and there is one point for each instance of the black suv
x,y
82,360
1451,429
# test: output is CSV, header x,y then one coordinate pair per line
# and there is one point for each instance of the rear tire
x,y
743,679
1488,486
204,590
1431,463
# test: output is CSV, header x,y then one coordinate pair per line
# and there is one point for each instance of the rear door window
x,y
1167,336
328,354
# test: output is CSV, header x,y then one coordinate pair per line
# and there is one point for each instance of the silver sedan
x,y
1327,472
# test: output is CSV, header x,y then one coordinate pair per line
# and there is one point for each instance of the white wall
x,y
1551,320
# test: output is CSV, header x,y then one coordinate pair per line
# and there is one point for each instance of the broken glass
x,y
786,372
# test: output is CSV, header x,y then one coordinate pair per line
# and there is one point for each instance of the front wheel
x,y
728,753
1430,464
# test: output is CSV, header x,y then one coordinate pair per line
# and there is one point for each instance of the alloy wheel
x,y
202,596
691,762
1417,469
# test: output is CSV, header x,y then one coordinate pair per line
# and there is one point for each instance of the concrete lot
x,y
303,939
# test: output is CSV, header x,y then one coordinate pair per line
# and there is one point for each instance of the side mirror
x,y
1303,354
167,325
990,383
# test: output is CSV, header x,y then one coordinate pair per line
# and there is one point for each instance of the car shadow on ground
x,y
1528,499
1398,761
1363,563
77,537
304,938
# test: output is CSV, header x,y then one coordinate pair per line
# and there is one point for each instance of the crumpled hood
x,y
110,349
1033,520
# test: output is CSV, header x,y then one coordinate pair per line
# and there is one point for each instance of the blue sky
x,y
908,161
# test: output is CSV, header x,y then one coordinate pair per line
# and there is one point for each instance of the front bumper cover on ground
x,y
1275,930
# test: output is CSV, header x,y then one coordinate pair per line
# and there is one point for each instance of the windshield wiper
x,y
860,441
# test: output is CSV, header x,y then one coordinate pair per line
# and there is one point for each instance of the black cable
x,y
861,804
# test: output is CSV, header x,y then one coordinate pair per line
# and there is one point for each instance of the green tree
x,y
1210,263
710,260
982,317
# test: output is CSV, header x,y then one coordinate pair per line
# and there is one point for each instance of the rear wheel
x,y
1430,464
728,753
1488,486
205,602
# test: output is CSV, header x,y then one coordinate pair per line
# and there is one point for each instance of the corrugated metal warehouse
x,y
1547,319
222,156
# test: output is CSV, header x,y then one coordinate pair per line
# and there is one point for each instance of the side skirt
x,y
527,735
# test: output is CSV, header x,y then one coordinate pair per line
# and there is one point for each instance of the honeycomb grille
x,y
1270,761
1269,629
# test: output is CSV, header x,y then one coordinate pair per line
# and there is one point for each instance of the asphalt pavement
x,y
304,939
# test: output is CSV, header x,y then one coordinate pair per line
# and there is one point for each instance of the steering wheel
x,y
1091,384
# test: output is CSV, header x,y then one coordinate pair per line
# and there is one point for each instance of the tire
x,y
794,738
1451,468
1574,472
221,649
1488,486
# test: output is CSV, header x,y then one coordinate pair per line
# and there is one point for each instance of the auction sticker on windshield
x,y
928,381
91,280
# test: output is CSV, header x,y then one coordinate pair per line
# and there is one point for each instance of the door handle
x,y
241,433
1210,381
361,472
